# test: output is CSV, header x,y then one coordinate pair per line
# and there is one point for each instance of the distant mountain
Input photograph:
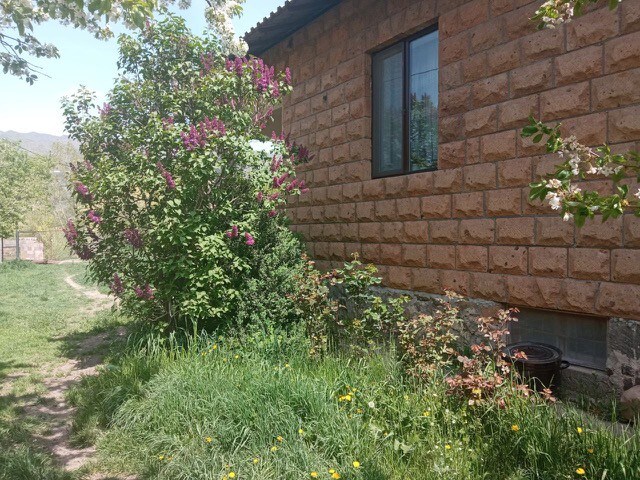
x,y
40,143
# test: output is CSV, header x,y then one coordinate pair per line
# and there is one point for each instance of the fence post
x,y
17,244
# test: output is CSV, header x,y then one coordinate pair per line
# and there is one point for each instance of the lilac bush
x,y
174,208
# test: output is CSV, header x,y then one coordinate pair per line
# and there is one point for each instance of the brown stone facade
x,y
469,226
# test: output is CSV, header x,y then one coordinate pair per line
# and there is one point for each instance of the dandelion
x,y
580,471
300,431
515,428
589,450
274,449
356,464
331,470
279,438
256,461
208,439
447,447
476,391
160,457
232,475
579,430
336,475
426,413
313,474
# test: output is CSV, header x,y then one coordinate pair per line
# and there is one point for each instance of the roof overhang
x,y
286,20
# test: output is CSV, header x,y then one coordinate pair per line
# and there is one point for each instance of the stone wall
x,y
469,226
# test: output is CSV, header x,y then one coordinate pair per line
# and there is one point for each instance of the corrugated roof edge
x,y
285,21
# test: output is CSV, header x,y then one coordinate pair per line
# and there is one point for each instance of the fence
x,y
40,246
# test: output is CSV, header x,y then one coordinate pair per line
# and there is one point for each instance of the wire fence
x,y
40,246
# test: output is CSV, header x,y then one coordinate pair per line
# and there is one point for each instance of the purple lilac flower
x,y
117,288
94,217
260,197
272,213
276,163
84,252
198,135
248,239
88,165
144,293
292,185
303,187
239,66
133,237
287,76
233,233
105,110
274,196
70,233
83,190
278,181
171,184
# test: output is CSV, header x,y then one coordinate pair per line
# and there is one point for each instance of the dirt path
x,y
52,406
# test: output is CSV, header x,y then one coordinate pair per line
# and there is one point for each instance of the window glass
x,y
405,106
388,110
423,94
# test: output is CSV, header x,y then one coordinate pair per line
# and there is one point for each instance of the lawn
x,y
255,405
42,322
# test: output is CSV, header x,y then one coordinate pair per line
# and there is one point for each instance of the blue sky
x,y
85,61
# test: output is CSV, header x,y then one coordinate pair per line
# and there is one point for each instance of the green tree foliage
x,y
23,184
553,13
18,19
175,209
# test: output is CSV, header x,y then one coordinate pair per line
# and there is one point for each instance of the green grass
x,y
158,405
42,323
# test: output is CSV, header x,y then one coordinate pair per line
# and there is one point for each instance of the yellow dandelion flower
x,y
580,471
313,474
426,413
331,470
447,447
347,398
215,347
301,431
279,438
359,410
590,450
237,357
356,464
160,457
335,475
256,461
286,365
476,391
515,428
579,430
208,439
232,475
274,449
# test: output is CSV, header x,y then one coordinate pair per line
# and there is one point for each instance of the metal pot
x,y
542,366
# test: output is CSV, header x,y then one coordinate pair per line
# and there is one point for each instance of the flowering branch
x,y
580,163
554,13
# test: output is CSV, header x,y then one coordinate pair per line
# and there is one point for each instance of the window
x,y
582,339
405,106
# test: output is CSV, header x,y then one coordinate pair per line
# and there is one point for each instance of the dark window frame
x,y
406,101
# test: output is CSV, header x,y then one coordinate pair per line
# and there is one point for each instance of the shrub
x,y
175,209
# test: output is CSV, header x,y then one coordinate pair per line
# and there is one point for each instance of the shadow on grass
x,y
20,457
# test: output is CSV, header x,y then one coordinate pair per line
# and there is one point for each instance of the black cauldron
x,y
542,366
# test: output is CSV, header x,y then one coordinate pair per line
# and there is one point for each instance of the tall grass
x,y
258,406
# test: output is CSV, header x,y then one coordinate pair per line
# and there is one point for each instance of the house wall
x,y
469,226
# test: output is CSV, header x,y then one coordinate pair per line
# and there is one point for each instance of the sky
x,y
85,61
